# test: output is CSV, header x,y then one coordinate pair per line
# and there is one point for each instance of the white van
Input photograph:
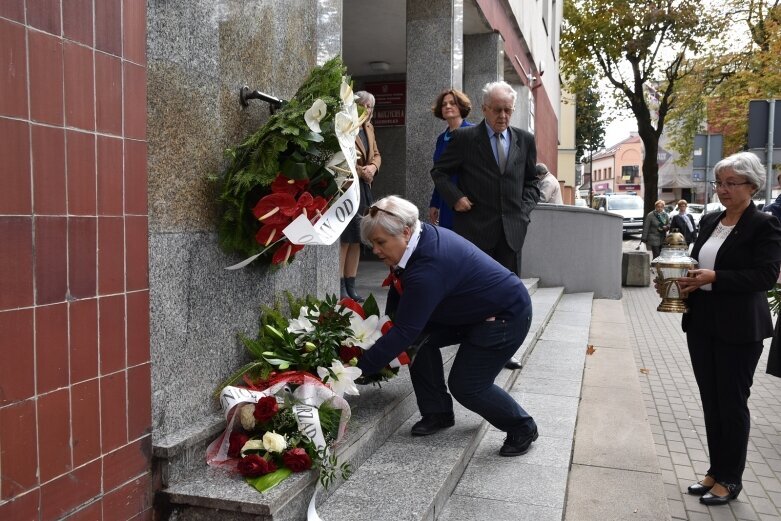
x,y
630,207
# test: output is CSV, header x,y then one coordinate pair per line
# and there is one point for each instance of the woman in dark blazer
x,y
739,253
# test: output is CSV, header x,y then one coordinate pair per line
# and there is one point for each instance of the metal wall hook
x,y
245,95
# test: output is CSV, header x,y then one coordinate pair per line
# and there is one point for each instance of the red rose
x,y
237,441
386,327
297,460
347,353
265,409
253,465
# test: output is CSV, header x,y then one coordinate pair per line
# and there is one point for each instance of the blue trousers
x,y
483,351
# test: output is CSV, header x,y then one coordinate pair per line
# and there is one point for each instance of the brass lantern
x,y
672,263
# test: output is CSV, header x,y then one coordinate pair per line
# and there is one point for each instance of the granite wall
x,y
200,53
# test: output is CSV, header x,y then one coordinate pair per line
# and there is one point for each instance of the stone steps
x,y
197,492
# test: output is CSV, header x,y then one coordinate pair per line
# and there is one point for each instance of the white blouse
x,y
707,258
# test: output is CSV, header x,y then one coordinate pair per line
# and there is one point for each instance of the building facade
x,y
117,316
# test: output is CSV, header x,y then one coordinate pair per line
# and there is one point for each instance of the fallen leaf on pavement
x,y
590,349
644,370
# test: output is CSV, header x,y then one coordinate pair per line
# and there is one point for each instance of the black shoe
x,y
431,423
518,444
698,489
349,283
733,489
513,363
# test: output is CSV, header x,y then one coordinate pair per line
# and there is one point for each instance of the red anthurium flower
x,y
386,327
269,233
347,353
273,208
266,408
237,441
353,305
297,460
316,207
285,250
283,185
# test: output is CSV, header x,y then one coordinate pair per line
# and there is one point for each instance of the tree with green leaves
x,y
721,85
640,48
589,121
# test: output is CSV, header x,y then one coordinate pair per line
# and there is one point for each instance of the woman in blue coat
x,y
445,291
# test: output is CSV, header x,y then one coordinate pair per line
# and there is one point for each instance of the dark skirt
x,y
774,357
352,234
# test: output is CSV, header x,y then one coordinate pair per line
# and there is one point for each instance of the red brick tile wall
x,y
75,378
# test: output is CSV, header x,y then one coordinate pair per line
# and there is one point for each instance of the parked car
x,y
630,207
581,202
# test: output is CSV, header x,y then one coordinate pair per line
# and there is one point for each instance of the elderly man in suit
x,y
497,185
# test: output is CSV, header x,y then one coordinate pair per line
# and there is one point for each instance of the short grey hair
x,y
491,88
541,169
365,98
746,165
398,214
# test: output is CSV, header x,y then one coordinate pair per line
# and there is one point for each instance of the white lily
x,y
302,324
315,114
344,380
365,332
346,93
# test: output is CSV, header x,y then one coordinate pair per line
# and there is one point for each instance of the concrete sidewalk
x,y
673,408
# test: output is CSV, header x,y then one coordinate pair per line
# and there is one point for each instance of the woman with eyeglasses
x,y
369,162
655,228
445,291
452,106
739,253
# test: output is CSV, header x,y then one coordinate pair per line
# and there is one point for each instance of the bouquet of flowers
x,y
324,340
290,183
288,427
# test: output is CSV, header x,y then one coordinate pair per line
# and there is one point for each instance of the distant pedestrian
x,y
775,207
453,106
550,191
739,254
684,223
655,228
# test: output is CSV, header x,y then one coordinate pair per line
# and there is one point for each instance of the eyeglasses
x,y
372,212
499,110
729,185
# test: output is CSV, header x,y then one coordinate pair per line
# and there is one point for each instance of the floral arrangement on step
x,y
288,184
324,340
285,410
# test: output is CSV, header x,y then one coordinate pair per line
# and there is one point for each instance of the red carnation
x,y
253,465
347,353
386,327
265,409
237,441
297,460
349,303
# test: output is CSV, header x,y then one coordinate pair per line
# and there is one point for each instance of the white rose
x,y
274,442
252,445
247,415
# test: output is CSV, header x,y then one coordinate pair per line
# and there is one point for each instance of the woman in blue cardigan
x,y
445,291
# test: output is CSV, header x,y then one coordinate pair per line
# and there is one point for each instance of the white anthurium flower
x,y
274,442
338,166
315,114
344,380
347,123
252,445
302,324
346,94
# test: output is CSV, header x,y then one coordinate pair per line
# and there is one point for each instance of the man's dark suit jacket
x,y
500,201
747,265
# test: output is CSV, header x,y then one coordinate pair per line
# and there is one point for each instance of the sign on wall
x,y
390,102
